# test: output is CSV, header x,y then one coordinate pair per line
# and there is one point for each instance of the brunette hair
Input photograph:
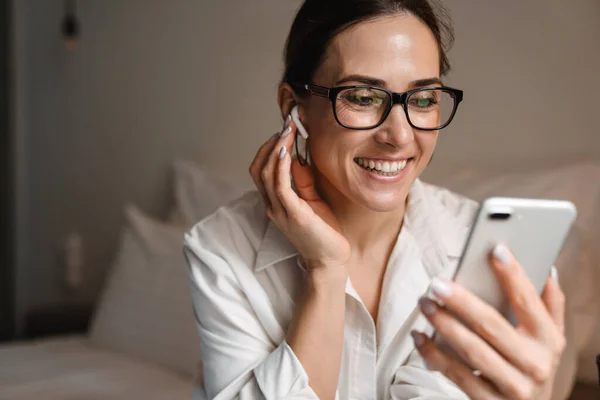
x,y
319,21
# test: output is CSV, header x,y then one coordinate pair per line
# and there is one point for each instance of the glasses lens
x,y
431,108
361,107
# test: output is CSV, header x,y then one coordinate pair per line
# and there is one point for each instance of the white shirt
x,y
245,276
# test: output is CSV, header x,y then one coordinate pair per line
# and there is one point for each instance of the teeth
x,y
386,167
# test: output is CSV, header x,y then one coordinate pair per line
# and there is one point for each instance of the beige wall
x,y
529,70
155,80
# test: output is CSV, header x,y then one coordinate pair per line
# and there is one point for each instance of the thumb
x,y
304,181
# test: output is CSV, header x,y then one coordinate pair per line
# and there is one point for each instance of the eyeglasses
x,y
367,107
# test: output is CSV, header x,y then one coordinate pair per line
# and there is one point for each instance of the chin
x,y
384,202
384,196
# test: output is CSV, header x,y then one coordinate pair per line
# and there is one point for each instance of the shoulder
x,y
232,233
452,206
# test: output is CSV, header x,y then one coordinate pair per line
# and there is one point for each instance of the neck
x,y
365,229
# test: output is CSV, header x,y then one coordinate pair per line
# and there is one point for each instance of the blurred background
x,y
124,122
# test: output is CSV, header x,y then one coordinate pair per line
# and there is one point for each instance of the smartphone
x,y
534,230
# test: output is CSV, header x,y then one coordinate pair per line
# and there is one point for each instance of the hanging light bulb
x,y
70,25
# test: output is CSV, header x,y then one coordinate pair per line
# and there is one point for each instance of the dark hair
x,y
319,21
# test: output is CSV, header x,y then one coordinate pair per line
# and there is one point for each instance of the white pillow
x,y
156,237
145,309
199,190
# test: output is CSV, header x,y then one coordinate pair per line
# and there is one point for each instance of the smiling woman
x,y
365,63
312,287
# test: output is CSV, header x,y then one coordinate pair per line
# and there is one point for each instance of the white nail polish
x,y
428,306
502,254
286,131
554,274
417,338
282,152
440,288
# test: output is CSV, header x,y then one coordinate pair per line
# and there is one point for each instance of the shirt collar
x,y
437,227
440,224
450,214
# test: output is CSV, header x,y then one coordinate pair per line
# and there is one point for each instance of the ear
x,y
287,99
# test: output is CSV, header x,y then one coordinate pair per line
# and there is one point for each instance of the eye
x,y
423,100
362,97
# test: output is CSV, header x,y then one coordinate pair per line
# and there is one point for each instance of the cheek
x,y
331,151
426,142
319,117
325,141
330,148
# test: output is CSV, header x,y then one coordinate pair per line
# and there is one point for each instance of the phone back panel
x,y
535,231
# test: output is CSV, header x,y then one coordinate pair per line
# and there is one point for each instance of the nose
x,y
396,131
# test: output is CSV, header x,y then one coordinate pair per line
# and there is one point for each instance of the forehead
x,y
397,49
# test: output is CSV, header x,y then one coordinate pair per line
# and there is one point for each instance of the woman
x,y
314,291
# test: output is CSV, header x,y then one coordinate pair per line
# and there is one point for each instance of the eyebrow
x,y
367,80
426,82
371,81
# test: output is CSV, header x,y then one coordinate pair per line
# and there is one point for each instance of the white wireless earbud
x,y
296,119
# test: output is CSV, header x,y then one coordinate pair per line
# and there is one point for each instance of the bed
x,y
73,368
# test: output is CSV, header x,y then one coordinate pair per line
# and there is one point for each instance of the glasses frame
x,y
396,98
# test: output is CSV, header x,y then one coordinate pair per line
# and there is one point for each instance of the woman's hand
x,y
514,363
304,218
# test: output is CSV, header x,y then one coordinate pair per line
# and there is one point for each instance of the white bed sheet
x,y
70,369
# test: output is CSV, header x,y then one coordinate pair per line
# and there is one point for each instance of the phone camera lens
x,y
499,216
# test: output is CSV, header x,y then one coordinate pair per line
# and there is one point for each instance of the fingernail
x,y
554,274
286,131
417,338
428,306
282,152
440,288
502,254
